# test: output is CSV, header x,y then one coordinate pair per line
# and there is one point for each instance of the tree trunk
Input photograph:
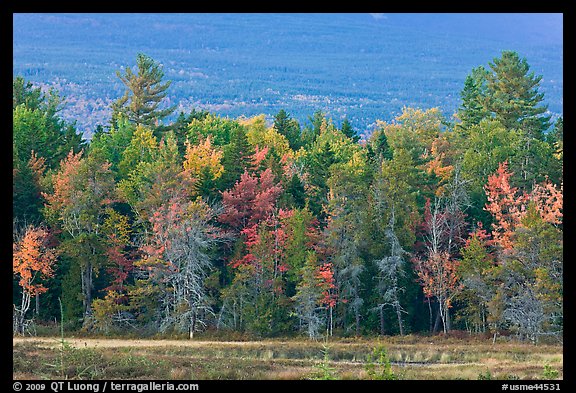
x,y
431,328
25,305
399,314
37,304
442,313
192,325
437,323
382,321
331,322
87,289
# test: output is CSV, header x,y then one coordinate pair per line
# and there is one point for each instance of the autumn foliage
x,y
213,223
251,200
33,258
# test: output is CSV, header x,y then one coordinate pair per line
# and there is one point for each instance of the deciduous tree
x,y
33,258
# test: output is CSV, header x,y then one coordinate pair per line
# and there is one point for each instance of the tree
x,y
109,145
393,202
437,268
330,147
142,148
27,185
378,147
150,184
202,167
532,278
180,126
144,93
37,126
477,270
250,201
505,204
33,258
177,261
263,268
236,158
414,131
556,138
344,236
347,130
313,294
82,189
513,96
472,110
24,93
483,148
391,269
312,130
438,277
288,127
527,233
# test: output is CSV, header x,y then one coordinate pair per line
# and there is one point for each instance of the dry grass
x,y
412,358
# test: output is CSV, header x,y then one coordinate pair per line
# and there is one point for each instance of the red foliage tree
x,y
251,200
325,274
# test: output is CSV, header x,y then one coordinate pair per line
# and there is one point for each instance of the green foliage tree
x,y
288,127
513,96
345,236
347,130
472,110
144,93
235,159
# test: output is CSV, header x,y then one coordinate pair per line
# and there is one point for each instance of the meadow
x,y
408,358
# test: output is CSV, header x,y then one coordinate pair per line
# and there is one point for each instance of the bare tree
x,y
391,269
182,235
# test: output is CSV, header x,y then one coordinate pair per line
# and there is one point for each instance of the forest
x,y
433,223
357,66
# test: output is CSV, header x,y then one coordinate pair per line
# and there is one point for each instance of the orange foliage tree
x,y
32,259
508,206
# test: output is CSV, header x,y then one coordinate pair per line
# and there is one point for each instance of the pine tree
x,y
513,96
144,93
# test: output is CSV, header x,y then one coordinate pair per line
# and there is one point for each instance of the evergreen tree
x,y
349,131
181,124
513,95
312,130
289,128
377,147
24,93
473,95
144,93
235,159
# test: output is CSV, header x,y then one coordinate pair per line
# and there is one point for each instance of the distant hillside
x,y
361,66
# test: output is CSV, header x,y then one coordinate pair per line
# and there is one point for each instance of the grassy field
x,y
411,357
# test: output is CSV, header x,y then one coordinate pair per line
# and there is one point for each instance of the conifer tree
x,y
288,127
347,130
513,95
144,93
472,109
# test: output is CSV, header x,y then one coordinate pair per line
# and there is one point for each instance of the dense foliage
x,y
272,229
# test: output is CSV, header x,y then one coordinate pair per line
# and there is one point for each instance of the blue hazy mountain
x,y
361,66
